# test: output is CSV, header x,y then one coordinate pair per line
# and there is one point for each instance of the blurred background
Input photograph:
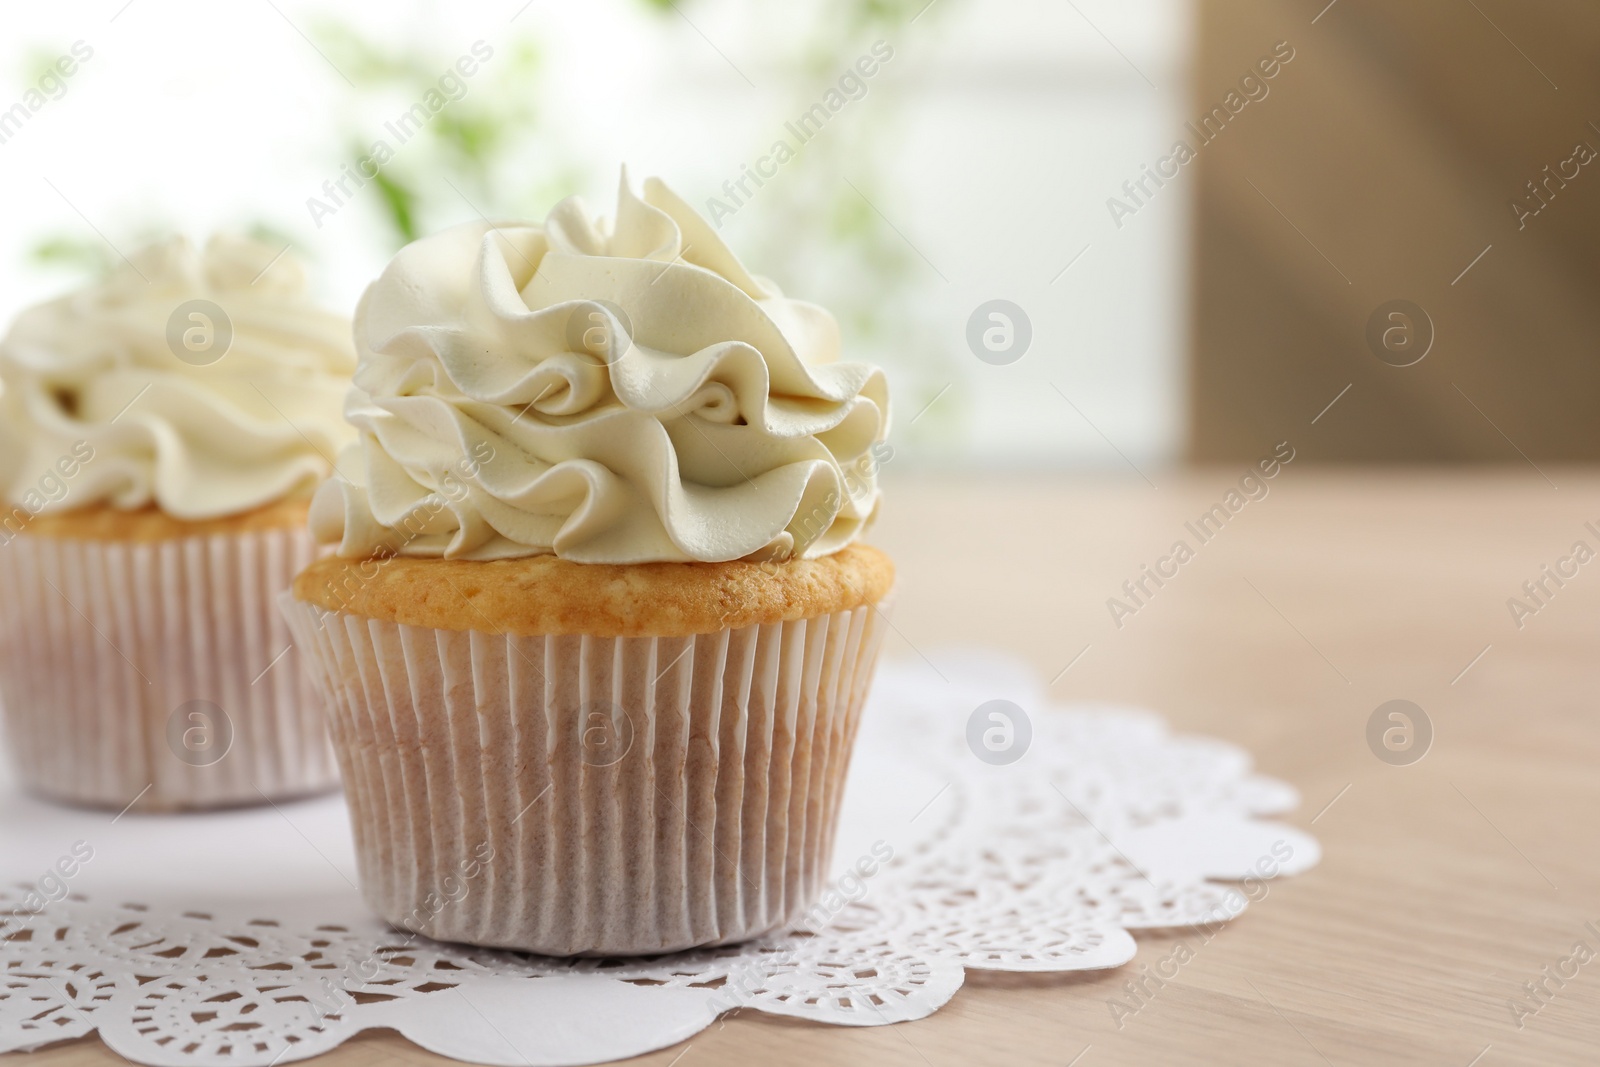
x,y
1175,303
973,164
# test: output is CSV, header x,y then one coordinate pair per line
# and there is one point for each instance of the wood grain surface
x,y
1446,884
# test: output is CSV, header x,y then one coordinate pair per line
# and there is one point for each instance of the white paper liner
x,y
103,643
481,814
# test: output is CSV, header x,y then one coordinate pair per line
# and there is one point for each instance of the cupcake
x,y
599,625
161,433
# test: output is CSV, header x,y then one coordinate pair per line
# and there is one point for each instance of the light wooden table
x,y
1446,884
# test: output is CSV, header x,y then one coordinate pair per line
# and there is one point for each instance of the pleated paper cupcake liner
x,y
577,795
159,670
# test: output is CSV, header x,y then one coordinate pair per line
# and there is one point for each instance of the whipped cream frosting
x,y
199,413
610,392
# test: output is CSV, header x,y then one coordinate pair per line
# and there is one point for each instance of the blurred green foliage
x,y
74,253
862,270
462,150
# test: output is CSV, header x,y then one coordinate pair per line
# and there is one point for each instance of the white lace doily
x,y
238,938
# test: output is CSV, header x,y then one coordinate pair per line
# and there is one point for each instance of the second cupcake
x,y
160,436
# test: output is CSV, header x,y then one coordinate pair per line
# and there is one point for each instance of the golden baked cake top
x,y
543,595
102,522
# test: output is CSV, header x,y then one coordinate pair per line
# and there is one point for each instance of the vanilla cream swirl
x,y
202,382
608,392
